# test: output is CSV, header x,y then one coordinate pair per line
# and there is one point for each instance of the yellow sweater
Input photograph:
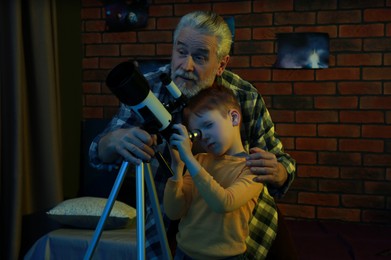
x,y
215,207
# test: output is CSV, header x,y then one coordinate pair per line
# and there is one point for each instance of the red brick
x,y
180,10
362,4
91,87
101,100
274,88
315,5
376,131
377,15
362,173
91,13
359,59
342,130
296,18
242,34
331,30
288,143
253,47
94,26
377,73
339,158
362,201
164,49
91,38
254,74
272,5
102,50
341,186
318,199
339,17
387,59
376,102
297,129
253,19
338,74
388,117
339,214
120,37
298,211
343,45
167,23
304,157
378,44
239,62
138,50
110,62
292,75
157,36
160,10
363,145
324,144
304,184
94,75
365,30
282,116
86,3
231,7
362,117
314,88
90,63
325,102
377,160
263,61
359,88
269,33
377,187
317,171
289,198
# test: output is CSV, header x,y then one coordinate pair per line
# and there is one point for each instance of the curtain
x,y
30,116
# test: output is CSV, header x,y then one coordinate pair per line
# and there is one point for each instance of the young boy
x,y
215,198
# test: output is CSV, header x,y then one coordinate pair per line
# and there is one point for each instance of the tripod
x,y
140,208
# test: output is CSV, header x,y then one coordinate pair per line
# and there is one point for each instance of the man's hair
x,y
208,23
216,97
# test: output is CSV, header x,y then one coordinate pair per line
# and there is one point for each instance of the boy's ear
x,y
235,117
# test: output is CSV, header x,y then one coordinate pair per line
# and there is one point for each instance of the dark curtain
x,y
30,116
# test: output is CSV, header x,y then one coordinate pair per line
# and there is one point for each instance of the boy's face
x,y
194,63
218,132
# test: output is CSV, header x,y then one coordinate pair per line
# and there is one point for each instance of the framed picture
x,y
302,50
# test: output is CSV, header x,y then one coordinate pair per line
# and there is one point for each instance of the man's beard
x,y
190,89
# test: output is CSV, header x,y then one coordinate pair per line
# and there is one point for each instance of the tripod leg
x,y
157,213
140,206
107,210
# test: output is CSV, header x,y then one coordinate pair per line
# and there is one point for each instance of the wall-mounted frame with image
x,y
126,15
309,50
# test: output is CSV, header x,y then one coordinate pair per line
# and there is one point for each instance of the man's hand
x,y
265,165
132,144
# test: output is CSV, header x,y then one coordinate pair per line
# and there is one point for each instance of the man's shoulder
x,y
236,83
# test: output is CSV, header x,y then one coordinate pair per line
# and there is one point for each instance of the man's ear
x,y
223,63
235,117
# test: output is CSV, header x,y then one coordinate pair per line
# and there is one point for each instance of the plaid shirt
x,y
257,131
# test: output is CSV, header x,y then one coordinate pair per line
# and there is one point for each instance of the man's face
x,y
194,62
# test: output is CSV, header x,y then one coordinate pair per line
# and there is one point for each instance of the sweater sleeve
x,y
221,199
177,197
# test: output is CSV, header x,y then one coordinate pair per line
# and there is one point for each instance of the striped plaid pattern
x,y
257,131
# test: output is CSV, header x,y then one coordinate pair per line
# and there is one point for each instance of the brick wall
x,y
335,122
